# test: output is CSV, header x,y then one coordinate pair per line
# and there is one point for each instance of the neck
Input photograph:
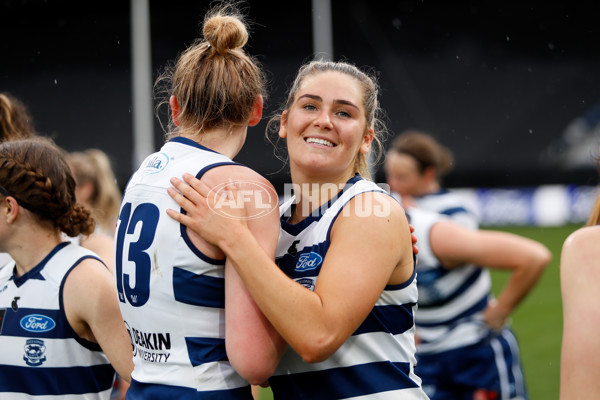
x,y
313,193
227,141
30,248
433,187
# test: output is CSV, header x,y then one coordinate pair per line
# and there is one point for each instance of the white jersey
x,y
451,301
4,259
377,361
171,295
42,357
451,204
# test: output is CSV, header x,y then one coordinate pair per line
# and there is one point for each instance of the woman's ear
x,y
283,124
10,209
174,110
365,147
430,174
257,109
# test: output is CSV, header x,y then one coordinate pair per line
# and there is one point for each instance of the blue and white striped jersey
x,y
172,295
377,361
451,301
42,357
451,204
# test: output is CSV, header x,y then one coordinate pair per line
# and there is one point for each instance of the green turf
x,y
538,321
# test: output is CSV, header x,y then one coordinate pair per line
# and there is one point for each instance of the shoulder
x,y
581,244
235,172
89,268
375,209
254,191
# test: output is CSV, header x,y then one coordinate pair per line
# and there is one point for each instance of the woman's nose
x,y
323,120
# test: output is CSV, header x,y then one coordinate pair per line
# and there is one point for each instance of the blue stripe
x,y
296,229
408,281
394,319
35,272
38,381
454,294
288,263
479,306
12,324
145,391
190,142
198,290
192,246
341,383
454,210
204,350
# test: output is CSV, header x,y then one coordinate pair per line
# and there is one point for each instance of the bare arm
x,y
315,323
254,347
580,277
455,245
92,309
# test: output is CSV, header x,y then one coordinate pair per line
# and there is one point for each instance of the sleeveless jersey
x,y
377,361
451,301
171,295
449,203
42,357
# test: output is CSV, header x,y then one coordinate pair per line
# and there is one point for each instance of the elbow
x,y
255,369
255,374
314,351
543,258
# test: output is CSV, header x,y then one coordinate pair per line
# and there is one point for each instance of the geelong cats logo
x,y
35,350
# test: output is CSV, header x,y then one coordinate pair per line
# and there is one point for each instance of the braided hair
x,y
35,173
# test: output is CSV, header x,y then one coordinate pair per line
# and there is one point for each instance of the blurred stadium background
x,y
513,88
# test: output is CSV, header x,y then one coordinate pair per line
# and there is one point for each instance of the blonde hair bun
x,y
225,32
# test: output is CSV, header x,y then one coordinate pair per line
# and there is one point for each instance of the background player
x,y
61,327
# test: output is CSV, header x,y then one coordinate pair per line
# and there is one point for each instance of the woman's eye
x,y
309,107
343,114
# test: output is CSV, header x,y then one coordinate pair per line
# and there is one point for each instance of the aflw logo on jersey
x,y
309,261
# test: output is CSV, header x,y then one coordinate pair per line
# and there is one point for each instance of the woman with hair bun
x,y
415,165
343,290
196,332
60,327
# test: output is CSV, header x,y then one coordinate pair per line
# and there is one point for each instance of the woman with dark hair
x,y
61,327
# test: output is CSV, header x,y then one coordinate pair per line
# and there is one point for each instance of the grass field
x,y
538,321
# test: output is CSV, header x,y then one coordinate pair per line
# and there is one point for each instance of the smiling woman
x,y
342,345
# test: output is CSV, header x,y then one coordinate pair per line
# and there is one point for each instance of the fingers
x,y
180,199
199,186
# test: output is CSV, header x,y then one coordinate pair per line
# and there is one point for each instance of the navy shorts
x,y
489,370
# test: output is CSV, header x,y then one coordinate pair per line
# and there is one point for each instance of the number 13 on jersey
x,y
135,248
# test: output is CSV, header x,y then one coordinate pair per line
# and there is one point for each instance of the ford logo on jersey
x,y
37,323
309,261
